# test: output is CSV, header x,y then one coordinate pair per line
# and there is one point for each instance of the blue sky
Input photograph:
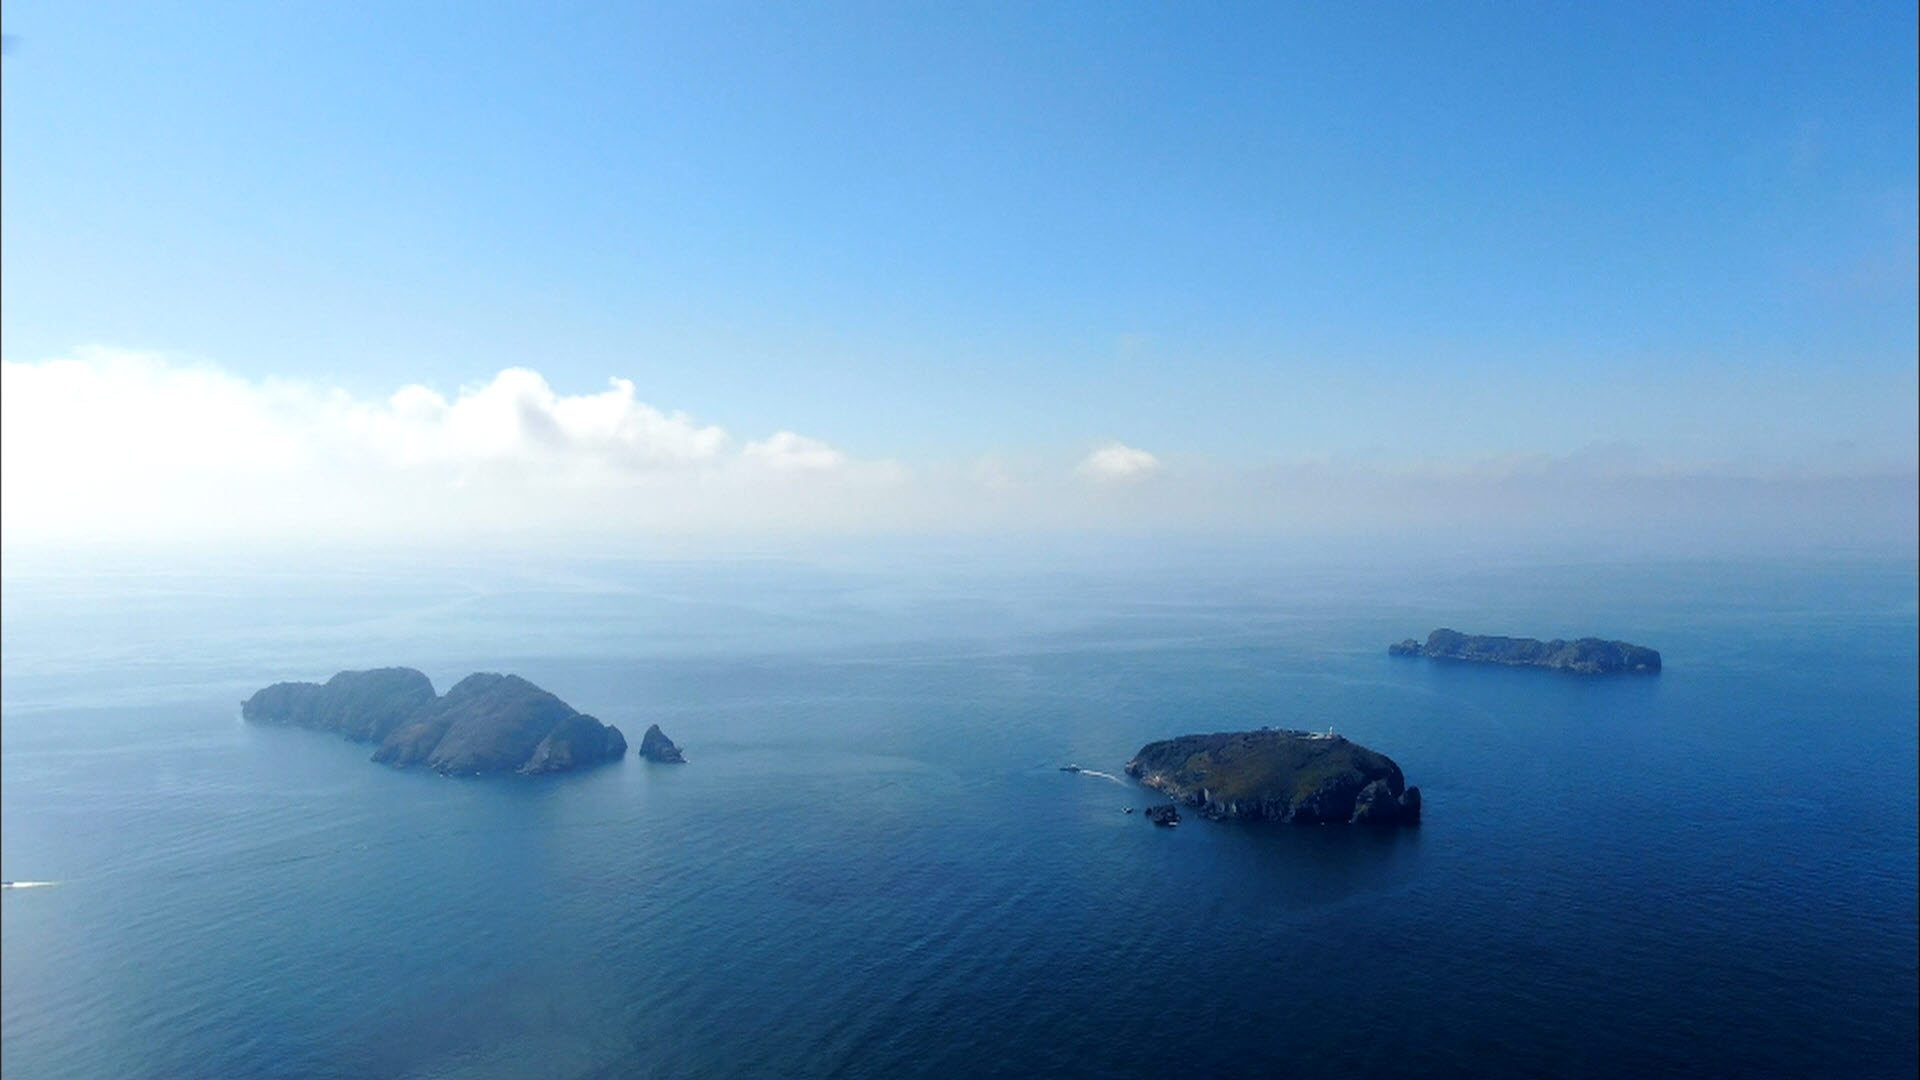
x,y
1231,236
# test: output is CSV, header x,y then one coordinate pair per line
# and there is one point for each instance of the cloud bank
x,y
116,447
132,445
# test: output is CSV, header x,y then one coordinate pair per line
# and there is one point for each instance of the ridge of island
x,y
486,723
1586,656
1271,774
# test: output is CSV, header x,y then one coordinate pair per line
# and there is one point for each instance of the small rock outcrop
x,y
1379,804
1277,775
655,746
485,724
1164,814
1586,656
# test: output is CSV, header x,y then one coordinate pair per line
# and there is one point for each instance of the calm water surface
x,y
872,866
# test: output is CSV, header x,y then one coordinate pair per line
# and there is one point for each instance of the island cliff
x,y
1275,775
1587,656
485,724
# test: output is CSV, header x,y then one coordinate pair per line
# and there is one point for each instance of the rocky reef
x,y
655,746
1587,656
1276,775
485,724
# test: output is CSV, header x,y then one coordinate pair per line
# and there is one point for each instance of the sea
x,y
873,865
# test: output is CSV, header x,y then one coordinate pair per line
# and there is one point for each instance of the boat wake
x,y
26,884
1103,776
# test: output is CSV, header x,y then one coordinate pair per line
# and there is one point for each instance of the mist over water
x,y
872,865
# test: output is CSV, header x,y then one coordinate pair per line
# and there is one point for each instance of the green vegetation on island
x,y
1276,775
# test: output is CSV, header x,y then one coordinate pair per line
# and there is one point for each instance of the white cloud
x,y
1117,461
107,411
784,451
518,417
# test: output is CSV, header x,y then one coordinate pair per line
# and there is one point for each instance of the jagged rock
x,y
1277,775
1164,814
1587,656
486,723
655,746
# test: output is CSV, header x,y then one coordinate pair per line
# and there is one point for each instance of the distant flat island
x,y
1273,775
1587,656
485,724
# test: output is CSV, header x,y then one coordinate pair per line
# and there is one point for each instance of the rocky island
x,y
655,746
484,724
1275,775
1587,656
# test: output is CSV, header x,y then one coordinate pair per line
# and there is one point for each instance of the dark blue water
x,y
872,866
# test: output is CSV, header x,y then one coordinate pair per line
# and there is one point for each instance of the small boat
x,y
1069,768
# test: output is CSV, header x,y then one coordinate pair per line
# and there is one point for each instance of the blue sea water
x,y
873,867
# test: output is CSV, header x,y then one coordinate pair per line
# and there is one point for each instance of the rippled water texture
x,y
873,867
